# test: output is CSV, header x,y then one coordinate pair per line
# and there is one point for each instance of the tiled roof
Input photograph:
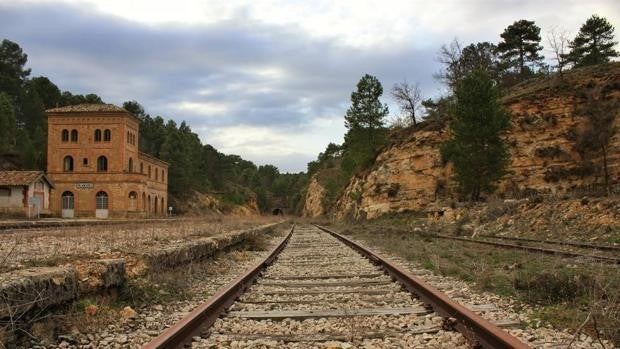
x,y
87,108
20,177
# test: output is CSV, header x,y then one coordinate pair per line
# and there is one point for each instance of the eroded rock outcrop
x,y
409,175
313,205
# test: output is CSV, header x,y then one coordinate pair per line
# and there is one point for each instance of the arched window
x,y
130,165
155,210
128,137
64,135
163,176
149,171
67,164
101,200
141,167
156,173
163,207
74,136
107,135
97,135
133,198
102,164
143,202
67,200
149,203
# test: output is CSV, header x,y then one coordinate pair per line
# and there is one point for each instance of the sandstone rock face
x,y
410,176
313,206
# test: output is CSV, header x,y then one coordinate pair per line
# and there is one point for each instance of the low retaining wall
x,y
201,248
25,290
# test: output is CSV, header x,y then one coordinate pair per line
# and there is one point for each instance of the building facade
x,y
97,169
24,193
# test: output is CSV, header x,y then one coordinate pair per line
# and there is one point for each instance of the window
x,y
133,197
102,200
65,135
156,201
163,176
102,164
156,173
5,192
128,137
107,135
149,171
67,200
97,135
130,165
141,167
85,161
74,136
143,202
67,164
163,207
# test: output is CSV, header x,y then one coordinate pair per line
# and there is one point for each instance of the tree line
x,y
193,166
476,76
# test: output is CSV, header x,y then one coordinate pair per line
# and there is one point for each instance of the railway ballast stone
x,y
36,288
201,248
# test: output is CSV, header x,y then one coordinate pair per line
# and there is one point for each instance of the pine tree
x,y
594,44
520,46
366,111
476,148
12,72
365,120
7,124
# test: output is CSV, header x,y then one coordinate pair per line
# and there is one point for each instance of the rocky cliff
x,y
313,205
546,116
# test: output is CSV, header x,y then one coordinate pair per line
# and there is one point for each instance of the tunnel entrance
x,y
277,212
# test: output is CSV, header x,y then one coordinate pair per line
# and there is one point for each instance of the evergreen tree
x,y
365,120
476,149
12,72
366,111
7,124
594,44
520,46
47,91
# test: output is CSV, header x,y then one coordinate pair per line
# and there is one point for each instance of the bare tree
x,y
558,40
449,56
408,98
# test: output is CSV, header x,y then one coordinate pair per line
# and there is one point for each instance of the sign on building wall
x,y
84,185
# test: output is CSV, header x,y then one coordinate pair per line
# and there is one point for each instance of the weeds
x,y
563,294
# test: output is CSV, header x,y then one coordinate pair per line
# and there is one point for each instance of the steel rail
x,y
206,314
479,331
606,259
556,242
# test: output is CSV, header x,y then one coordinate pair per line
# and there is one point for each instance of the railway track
x,y
587,256
583,245
317,288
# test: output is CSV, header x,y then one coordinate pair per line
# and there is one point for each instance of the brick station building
x,y
97,169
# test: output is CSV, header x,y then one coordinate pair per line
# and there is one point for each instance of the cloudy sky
x,y
268,80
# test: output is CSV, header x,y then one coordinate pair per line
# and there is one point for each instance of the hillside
x,y
409,174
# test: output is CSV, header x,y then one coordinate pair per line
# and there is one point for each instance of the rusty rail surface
x,y
556,242
605,259
479,331
206,314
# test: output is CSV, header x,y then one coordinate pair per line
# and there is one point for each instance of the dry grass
x,y
563,293
19,249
